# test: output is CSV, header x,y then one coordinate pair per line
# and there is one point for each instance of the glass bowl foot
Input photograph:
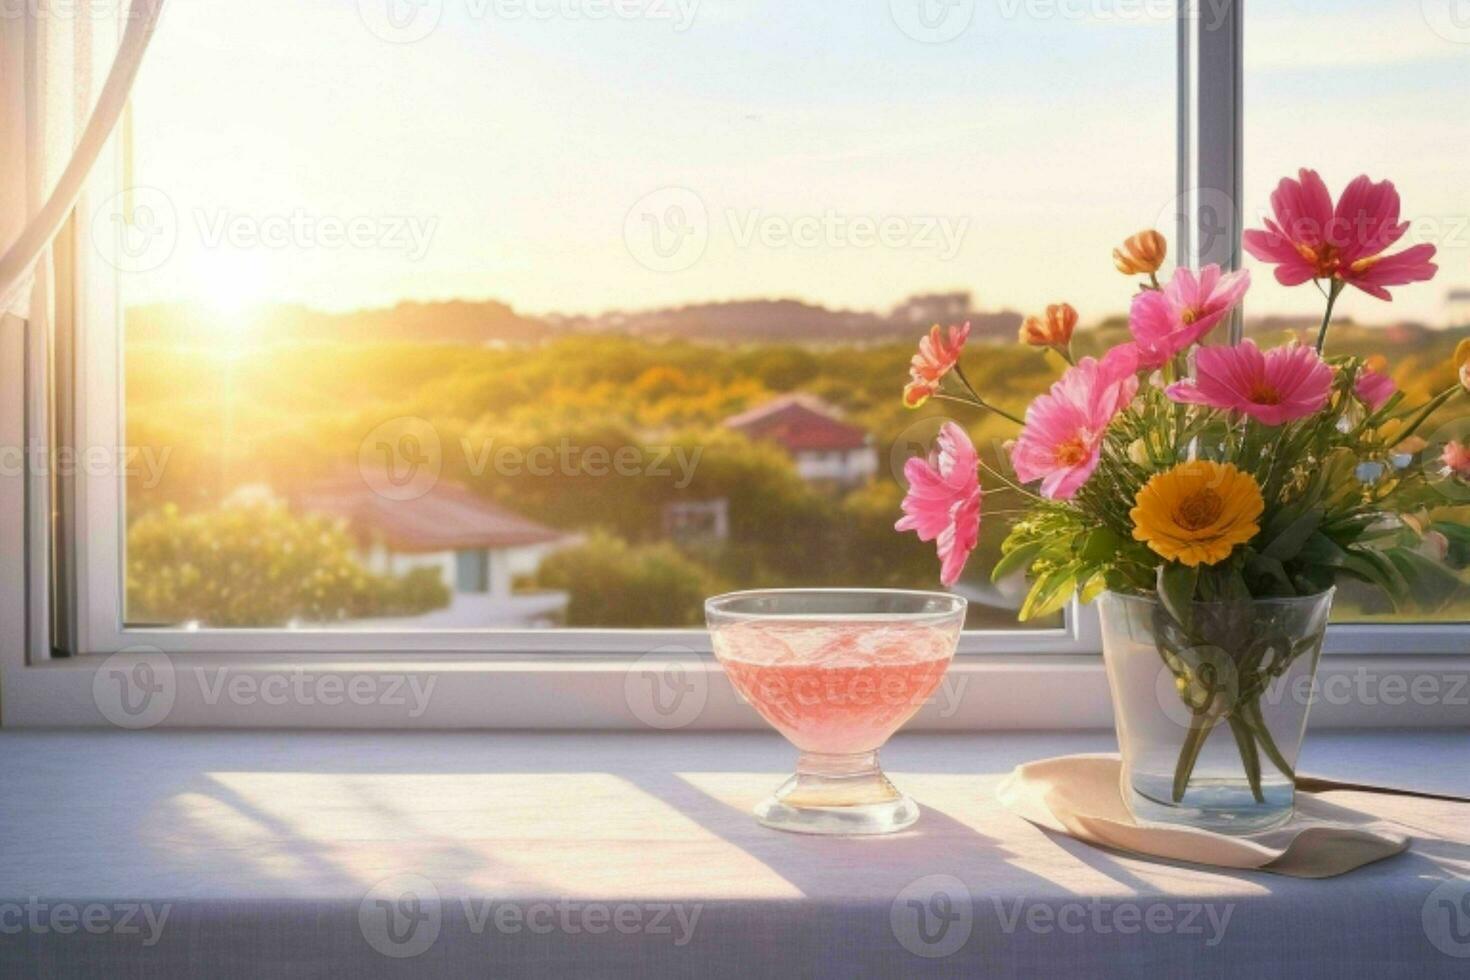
x,y
838,794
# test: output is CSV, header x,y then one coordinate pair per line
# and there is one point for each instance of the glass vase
x,y
1211,710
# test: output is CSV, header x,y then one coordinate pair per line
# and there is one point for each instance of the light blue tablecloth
x,y
426,854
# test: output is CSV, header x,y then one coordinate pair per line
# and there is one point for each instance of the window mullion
x,y
1211,44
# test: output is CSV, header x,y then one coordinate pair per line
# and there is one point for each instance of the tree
x,y
612,583
257,564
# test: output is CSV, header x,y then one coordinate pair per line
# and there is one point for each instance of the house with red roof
x,y
824,448
476,546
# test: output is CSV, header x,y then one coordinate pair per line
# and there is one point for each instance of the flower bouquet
x,y
1212,492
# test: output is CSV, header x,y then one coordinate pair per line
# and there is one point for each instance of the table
x,y
295,854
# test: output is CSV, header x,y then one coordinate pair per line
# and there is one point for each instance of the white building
x,y
476,546
1457,308
824,448
931,308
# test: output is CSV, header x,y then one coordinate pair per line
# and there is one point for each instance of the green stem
x,y
997,474
1199,730
1246,743
960,373
1428,410
1257,722
1332,294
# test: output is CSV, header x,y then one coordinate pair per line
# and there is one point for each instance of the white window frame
x,y
576,678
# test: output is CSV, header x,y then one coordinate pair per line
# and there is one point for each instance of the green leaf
x,y
1289,542
1319,549
1093,587
1272,571
1375,569
1430,583
1101,545
1176,587
1050,592
1016,559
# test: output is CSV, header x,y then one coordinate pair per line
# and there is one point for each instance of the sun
x,y
230,294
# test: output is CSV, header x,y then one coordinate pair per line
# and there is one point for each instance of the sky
x,y
676,151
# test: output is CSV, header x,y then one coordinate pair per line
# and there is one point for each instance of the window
x,y
1371,89
627,314
359,298
472,571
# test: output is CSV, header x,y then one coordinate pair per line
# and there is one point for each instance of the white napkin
x,y
1079,795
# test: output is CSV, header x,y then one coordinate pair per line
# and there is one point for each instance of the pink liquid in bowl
x,y
835,687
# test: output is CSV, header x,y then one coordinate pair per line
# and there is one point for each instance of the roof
x,y
449,517
797,423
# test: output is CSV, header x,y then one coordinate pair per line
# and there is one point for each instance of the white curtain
x,y
66,69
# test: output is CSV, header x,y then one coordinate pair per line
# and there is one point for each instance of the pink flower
x,y
1312,239
1282,385
1062,440
936,358
1374,388
943,502
1456,459
1165,322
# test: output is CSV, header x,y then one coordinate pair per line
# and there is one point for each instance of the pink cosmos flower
x,y
1062,439
936,358
1456,459
1312,239
943,502
1281,385
1165,322
1374,388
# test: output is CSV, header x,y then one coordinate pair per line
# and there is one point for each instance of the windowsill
x,y
1056,692
265,849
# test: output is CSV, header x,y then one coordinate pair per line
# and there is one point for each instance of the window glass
x,y
1360,99
620,296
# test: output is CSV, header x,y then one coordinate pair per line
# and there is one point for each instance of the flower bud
x,y
1141,254
1462,362
1055,330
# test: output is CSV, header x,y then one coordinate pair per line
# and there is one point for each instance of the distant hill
x,y
490,321
476,322
453,322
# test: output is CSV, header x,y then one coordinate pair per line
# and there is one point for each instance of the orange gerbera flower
x,y
1197,512
937,356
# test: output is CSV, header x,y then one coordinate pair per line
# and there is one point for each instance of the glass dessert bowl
x,y
836,671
